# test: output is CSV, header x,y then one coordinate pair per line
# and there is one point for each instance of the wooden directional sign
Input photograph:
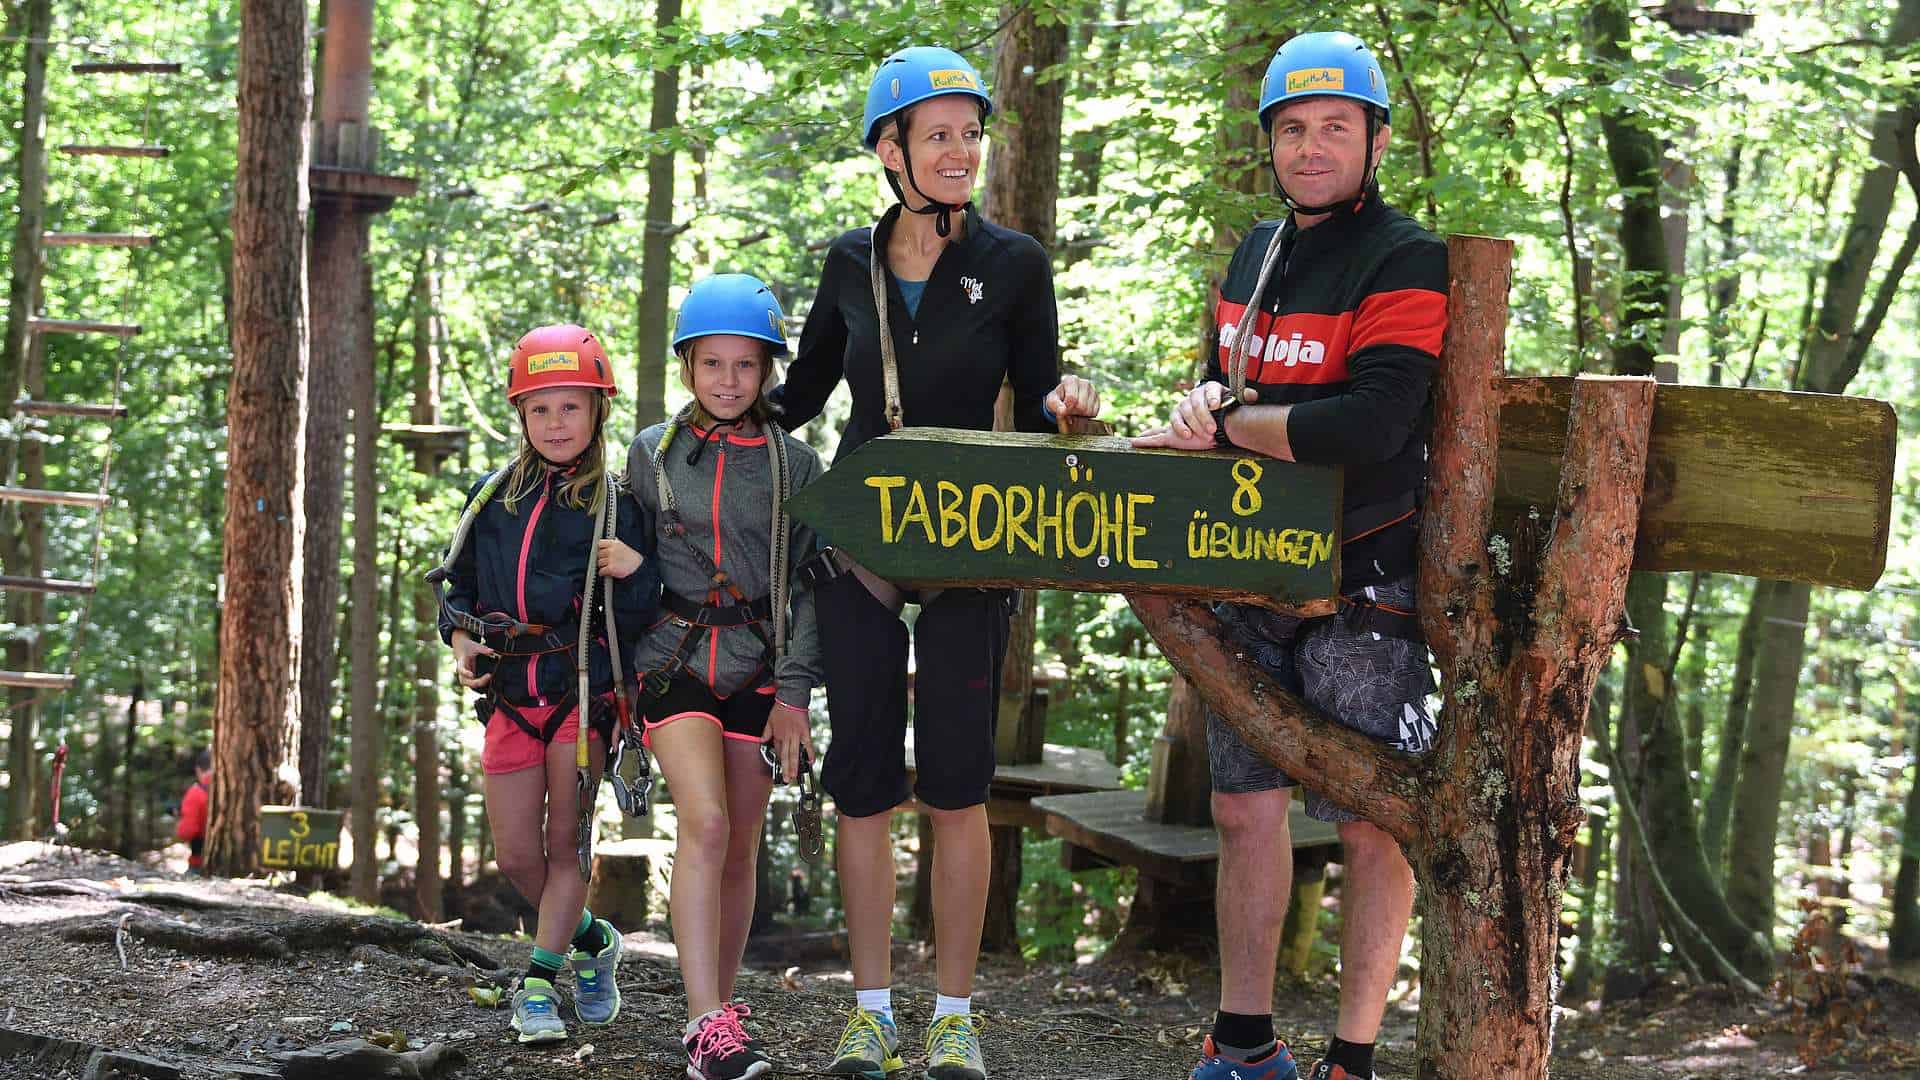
x,y
942,507
299,838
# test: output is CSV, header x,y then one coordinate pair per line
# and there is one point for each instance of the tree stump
x,y
621,869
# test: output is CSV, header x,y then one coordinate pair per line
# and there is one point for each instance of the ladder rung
x,y
81,326
53,498
36,680
96,239
69,408
127,69
9,583
83,150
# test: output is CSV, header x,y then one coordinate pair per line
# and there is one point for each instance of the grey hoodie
x,y
736,474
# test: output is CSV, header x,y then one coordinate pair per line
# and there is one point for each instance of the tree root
x,y
298,934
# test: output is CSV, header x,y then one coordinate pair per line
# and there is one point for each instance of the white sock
x,y
949,1006
878,1002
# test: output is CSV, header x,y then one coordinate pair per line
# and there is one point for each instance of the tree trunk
x,y
1489,818
1833,355
1023,186
1635,923
22,293
124,797
1733,733
343,319
1903,939
256,713
1579,981
456,815
656,248
367,748
426,613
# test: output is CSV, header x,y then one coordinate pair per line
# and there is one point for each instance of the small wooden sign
x,y
940,507
299,838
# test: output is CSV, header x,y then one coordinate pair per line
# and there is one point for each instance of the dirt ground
x,y
114,957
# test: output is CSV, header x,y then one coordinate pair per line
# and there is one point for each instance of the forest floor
x,y
197,979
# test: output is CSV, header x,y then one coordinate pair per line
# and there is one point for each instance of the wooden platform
x,y
1112,828
1061,770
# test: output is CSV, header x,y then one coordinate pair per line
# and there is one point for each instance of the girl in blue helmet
x,y
727,672
924,315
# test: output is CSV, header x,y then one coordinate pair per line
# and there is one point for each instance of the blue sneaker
x,y
536,1013
596,990
1275,1066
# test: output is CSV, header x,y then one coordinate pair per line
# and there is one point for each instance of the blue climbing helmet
x,y
913,75
1329,62
731,304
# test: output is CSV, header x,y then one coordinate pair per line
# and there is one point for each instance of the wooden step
x,y
91,410
127,69
81,326
96,239
85,150
43,497
36,680
10,583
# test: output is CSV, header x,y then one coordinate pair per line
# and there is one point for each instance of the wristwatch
x,y
1220,439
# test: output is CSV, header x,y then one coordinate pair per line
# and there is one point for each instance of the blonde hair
x,y
526,473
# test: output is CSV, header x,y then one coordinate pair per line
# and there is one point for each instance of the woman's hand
x,y
791,731
1191,425
616,559
1074,396
465,648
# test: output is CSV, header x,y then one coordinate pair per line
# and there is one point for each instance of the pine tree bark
x,y
24,609
367,749
1718,805
656,247
1903,939
256,711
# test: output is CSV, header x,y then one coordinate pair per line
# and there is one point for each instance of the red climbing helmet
x,y
562,355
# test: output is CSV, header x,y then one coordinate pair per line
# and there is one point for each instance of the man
x,y
193,813
1328,328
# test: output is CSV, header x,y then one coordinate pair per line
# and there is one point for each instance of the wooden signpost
x,y
299,838
1544,494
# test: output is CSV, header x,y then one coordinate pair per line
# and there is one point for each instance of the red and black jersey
x,y
1348,334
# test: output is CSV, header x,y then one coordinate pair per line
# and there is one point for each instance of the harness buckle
x,y
819,568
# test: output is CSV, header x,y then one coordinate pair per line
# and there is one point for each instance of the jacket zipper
x,y
713,597
520,585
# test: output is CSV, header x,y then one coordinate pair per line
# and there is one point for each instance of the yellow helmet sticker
x,y
1308,80
953,79
539,363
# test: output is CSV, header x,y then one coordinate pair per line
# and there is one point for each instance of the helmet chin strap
x,y
1369,185
942,212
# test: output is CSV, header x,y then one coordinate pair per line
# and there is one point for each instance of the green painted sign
x,y
950,508
299,838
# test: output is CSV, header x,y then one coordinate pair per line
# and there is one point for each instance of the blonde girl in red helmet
x,y
548,556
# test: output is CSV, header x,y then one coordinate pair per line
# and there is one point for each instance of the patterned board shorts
x,y
1375,685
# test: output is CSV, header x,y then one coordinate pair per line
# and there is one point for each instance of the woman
x,y
924,315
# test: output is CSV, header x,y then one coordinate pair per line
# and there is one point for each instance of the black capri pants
x,y
959,642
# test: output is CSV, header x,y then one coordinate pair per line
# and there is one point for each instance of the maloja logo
x,y
1295,348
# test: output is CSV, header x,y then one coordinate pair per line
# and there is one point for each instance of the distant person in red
x,y
193,813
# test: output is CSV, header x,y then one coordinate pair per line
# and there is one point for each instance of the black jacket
x,y
533,565
987,314
1348,333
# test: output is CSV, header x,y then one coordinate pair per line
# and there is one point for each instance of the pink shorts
x,y
510,749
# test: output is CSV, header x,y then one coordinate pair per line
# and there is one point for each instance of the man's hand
x,y
465,648
616,559
790,731
1074,396
1191,426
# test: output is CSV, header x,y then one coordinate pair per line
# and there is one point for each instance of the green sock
x,y
588,937
545,965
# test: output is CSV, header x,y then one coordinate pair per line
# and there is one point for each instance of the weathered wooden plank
x,y
1761,482
43,497
72,239
1061,769
88,150
152,68
81,326
11,583
943,507
92,410
36,680
1113,826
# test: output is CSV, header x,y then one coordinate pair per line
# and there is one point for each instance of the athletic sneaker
x,y
1327,1070
536,1013
596,989
953,1049
869,1047
1277,1065
718,1050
